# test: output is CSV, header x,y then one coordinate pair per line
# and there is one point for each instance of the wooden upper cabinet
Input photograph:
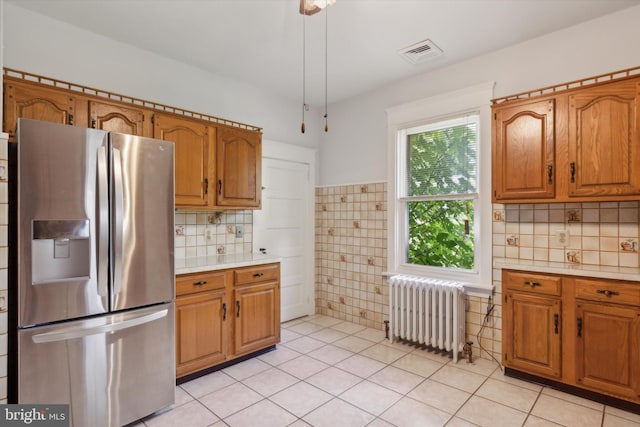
x,y
36,102
604,152
239,160
194,158
116,118
217,166
524,151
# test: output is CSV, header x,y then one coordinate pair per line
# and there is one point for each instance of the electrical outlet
x,y
562,238
208,234
239,231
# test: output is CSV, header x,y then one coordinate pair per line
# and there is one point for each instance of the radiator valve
x,y
467,350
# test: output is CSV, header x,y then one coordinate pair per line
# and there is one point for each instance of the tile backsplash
x,y
212,233
603,233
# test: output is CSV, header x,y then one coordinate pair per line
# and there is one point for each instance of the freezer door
x,y
62,230
112,370
142,219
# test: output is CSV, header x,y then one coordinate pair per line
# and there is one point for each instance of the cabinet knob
x,y
238,306
200,283
549,173
531,283
224,311
258,274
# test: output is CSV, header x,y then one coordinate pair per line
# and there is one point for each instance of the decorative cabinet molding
x,y
574,142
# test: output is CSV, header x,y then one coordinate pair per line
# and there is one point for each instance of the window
x,y
440,192
439,210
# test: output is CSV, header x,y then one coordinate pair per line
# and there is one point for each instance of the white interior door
x,y
284,226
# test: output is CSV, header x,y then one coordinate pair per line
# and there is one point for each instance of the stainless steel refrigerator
x,y
95,272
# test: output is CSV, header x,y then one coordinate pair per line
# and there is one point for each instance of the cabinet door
x,y
116,118
531,334
608,348
194,145
239,170
36,102
523,151
257,317
201,333
604,156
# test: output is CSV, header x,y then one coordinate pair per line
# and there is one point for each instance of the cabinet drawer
x,y
257,274
604,291
190,283
535,283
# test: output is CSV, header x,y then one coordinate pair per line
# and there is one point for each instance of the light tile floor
x,y
327,372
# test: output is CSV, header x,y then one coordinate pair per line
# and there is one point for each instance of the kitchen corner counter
x,y
220,262
583,270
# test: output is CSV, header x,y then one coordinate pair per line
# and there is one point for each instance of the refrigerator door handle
x,y
103,222
83,331
118,206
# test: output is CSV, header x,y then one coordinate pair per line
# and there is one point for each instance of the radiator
x,y
427,311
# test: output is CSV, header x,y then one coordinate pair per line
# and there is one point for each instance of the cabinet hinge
x,y
153,119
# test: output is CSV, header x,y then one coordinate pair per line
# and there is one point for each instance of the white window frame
x,y
475,99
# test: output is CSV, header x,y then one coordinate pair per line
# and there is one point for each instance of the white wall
x,y
40,45
355,148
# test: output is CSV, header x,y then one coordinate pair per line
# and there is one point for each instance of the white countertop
x,y
584,270
219,262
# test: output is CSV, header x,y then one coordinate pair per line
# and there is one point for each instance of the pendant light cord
x,y
304,71
326,67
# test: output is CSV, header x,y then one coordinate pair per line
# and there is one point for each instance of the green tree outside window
x,y
441,166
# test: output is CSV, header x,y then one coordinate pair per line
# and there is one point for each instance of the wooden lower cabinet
x,y
257,322
532,341
201,331
586,336
608,348
224,314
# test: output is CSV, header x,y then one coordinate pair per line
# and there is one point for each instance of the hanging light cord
x,y
304,69
326,67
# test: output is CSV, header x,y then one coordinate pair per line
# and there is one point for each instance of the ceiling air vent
x,y
420,51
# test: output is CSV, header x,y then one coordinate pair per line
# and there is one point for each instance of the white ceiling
x,y
260,41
